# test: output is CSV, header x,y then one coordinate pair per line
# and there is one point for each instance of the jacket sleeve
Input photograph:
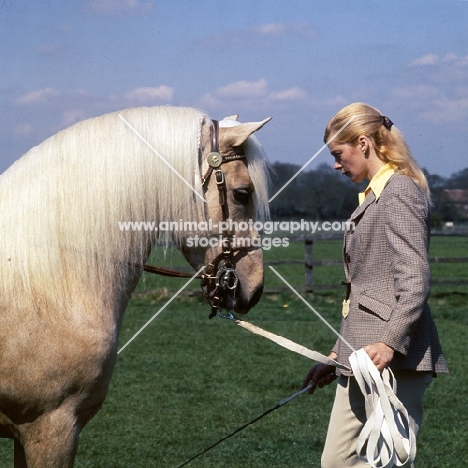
x,y
407,215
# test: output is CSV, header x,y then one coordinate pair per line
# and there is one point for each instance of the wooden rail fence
x,y
309,264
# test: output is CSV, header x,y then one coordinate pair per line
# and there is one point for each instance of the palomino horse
x,y
67,267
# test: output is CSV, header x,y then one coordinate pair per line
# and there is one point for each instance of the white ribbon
x,y
387,438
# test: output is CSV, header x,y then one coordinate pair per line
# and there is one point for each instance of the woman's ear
x,y
363,143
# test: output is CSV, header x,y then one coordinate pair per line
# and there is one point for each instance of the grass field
x,y
185,382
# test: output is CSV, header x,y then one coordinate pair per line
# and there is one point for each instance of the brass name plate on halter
x,y
345,310
214,159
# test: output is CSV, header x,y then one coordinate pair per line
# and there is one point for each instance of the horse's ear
x,y
237,135
232,117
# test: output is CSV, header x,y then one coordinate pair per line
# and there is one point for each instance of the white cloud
x,y
243,89
440,95
445,110
257,90
291,94
38,97
261,36
428,59
210,101
150,95
432,104
116,7
449,68
77,104
72,116
275,29
419,93
270,28
337,102
248,94
433,59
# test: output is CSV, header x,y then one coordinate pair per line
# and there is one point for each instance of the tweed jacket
x,y
386,263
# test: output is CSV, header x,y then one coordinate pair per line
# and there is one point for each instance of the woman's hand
x,y
320,375
380,354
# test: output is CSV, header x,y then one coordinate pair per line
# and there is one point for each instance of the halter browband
x,y
215,159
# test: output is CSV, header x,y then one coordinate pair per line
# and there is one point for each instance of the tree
x,y
443,199
326,195
320,194
288,204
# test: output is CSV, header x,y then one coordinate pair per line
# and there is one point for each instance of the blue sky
x,y
298,61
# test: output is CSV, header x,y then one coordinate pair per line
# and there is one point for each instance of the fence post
x,y
309,267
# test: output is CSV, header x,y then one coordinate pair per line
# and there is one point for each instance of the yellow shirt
x,y
378,182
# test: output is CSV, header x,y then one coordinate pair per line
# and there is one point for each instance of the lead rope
x,y
279,405
387,438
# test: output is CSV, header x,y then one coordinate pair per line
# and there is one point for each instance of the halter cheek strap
x,y
218,282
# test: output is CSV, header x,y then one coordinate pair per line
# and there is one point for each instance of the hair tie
x,y
386,122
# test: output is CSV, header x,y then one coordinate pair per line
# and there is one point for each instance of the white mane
x,y
61,203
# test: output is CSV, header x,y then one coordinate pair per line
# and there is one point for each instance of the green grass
x,y
185,382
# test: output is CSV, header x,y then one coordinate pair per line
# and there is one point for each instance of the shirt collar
x,y
378,182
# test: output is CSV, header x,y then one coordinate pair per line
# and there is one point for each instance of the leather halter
x,y
224,277
217,281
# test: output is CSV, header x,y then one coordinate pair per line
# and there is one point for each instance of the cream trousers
x,y
348,416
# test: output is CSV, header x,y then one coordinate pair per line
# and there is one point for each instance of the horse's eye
x,y
241,196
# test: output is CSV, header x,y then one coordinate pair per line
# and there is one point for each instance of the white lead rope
x,y
386,439
288,344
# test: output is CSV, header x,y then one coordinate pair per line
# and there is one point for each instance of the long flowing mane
x,y
61,203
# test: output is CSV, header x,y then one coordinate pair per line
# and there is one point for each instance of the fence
x,y
309,263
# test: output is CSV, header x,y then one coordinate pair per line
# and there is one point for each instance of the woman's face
x,y
350,160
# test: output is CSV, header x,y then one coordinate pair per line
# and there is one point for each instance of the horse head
x,y
235,184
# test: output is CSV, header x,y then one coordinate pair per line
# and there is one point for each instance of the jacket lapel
x,y
354,218
359,211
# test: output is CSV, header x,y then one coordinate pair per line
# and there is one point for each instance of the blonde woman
x,y
388,276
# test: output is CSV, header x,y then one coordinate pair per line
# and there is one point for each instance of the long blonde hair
x,y
388,141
